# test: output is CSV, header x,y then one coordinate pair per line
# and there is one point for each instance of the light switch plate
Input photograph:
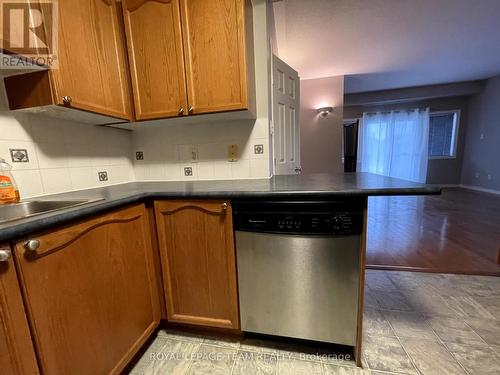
x,y
139,155
194,155
188,153
232,153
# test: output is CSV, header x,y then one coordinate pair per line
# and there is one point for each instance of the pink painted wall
x,y
321,137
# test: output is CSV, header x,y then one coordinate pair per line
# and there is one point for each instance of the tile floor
x,y
415,323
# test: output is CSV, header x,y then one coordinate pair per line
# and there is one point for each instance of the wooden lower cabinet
x,y
91,293
17,355
197,253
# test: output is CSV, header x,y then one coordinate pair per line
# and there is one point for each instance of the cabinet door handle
x,y
32,245
224,206
181,110
5,255
67,99
190,111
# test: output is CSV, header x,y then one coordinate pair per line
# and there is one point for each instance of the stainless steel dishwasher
x,y
299,268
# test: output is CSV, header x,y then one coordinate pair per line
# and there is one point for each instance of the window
x,y
443,130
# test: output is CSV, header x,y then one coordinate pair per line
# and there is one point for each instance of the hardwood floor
x,y
456,232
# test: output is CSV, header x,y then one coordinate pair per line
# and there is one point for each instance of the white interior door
x,y
285,118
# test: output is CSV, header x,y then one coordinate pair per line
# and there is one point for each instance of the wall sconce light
x,y
324,111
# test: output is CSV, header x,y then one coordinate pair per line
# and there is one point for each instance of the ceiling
x,y
384,44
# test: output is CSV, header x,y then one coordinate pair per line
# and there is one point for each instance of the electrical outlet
x,y
188,171
19,155
103,176
232,153
194,155
139,155
258,149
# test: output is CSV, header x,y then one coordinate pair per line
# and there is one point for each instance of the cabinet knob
x,y
190,111
32,245
5,255
181,110
67,100
224,206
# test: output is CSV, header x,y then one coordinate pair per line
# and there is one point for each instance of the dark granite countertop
x,y
314,186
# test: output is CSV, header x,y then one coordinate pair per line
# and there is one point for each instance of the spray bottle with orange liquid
x,y
8,188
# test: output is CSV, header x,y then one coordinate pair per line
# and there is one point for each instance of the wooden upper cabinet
x,y
153,30
198,261
163,58
17,354
91,293
217,38
92,73
93,68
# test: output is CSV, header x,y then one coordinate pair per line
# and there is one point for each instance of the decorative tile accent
x,y
258,149
19,155
139,155
103,176
188,171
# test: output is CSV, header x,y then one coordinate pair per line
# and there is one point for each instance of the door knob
x,y
32,245
67,100
5,255
181,110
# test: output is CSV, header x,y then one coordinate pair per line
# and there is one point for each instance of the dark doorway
x,y
350,146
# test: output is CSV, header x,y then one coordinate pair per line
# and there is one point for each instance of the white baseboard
x,y
478,188
448,185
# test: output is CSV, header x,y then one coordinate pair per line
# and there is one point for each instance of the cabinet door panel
x,y
197,250
214,48
91,293
153,30
17,355
93,67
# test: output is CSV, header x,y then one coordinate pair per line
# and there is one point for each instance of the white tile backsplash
x,y
55,180
7,145
81,177
65,156
172,147
29,182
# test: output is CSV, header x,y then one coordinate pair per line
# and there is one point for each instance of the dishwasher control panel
x,y
338,223
298,219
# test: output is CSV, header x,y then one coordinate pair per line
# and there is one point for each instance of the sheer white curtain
x,y
395,144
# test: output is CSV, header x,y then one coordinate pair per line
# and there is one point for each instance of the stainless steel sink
x,y
16,211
